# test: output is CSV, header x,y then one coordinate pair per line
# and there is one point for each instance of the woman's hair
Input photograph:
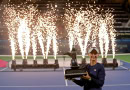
x,y
94,51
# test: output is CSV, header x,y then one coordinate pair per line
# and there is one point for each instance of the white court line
x,y
3,69
124,67
56,86
47,86
118,85
66,83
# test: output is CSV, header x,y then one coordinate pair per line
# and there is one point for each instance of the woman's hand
x,y
86,76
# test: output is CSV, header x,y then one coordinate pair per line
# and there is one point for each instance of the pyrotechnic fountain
x,y
21,22
47,32
86,27
34,46
11,21
69,21
89,28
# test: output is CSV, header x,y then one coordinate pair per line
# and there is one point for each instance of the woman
x,y
95,73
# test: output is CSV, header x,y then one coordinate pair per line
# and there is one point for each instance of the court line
x,y
124,67
66,83
118,85
56,86
47,86
3,69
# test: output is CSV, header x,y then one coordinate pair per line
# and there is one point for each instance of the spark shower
x,y
28,26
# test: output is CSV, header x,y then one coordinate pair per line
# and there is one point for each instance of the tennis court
x,y
48,79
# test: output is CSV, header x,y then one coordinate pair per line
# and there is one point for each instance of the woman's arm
x,y
79,82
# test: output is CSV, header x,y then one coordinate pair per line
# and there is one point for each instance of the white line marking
x,y
47,86
66,83
3,69
56,86
28,86
124,67
118,85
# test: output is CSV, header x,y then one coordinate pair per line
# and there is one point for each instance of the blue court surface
x,y
118,79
